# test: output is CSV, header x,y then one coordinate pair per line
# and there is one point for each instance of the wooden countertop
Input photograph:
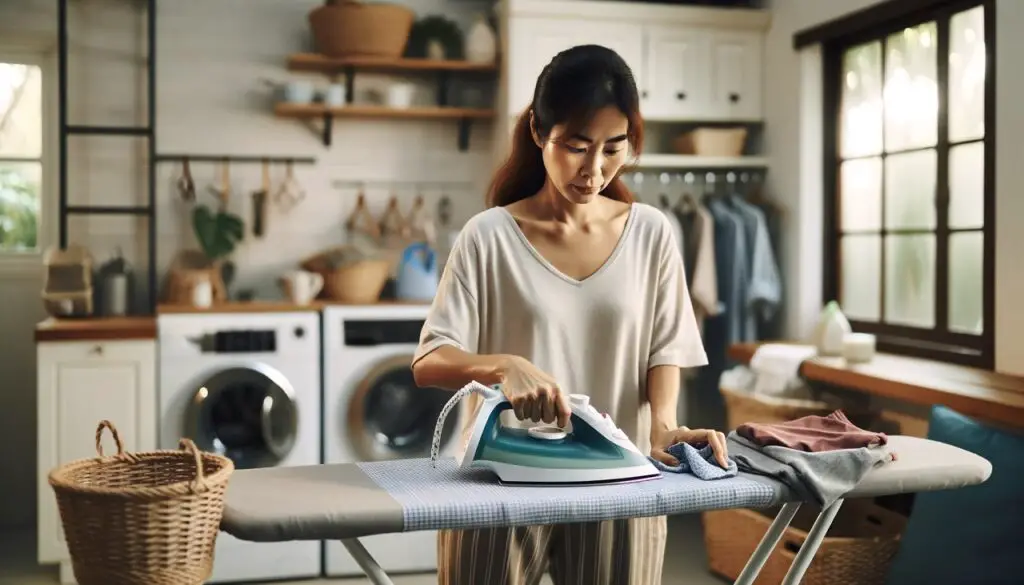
x,y
96,328
974,392
265,307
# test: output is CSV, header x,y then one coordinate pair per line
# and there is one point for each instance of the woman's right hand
x,y
534,394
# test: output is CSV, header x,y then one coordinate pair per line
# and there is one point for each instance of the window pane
x,y
861,277
967,186
861,126
910,280
966,282
910,190
19,205
911,93
21,111
861,194
967,75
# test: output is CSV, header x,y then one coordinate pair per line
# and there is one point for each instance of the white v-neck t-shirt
x,y
597,336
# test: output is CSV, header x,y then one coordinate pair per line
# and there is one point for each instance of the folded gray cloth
x,y
822,477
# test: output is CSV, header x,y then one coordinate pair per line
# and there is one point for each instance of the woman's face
x,y
581,165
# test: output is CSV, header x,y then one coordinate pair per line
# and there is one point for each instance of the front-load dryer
x,y
373,411
247,386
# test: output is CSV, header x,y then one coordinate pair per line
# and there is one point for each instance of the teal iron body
x,y
592,451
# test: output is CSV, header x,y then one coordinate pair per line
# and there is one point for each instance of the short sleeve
x,y
454,316
675,337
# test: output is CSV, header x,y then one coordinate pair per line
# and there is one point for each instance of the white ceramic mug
x,y
202,294
335,95
301,286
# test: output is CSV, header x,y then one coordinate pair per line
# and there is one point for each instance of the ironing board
x,y
348,501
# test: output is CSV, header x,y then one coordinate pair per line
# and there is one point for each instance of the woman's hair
x,y
575,85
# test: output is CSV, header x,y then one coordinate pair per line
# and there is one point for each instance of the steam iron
x,y
594,451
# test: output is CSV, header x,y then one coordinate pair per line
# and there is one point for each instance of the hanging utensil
x,y
223,192
185,184
290,193
259,203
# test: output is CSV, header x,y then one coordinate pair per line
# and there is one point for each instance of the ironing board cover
x,y
328,502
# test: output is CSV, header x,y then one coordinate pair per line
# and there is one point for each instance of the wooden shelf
x,y
464,116
286,110
686,161
997,398
314,63
347,67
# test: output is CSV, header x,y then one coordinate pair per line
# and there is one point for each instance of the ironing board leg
x,y
810,546
366,562
764,549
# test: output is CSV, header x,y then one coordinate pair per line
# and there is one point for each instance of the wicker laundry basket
x,y
857,550
148,518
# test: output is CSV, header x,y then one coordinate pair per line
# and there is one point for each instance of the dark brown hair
x,y
570,90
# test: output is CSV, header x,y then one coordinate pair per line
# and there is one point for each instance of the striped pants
x,y
614,552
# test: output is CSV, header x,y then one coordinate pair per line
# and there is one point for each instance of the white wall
x,y
210,100
793,122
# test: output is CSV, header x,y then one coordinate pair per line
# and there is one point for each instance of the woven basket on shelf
x,y
858,550
350,28
355,282
711,142
148,518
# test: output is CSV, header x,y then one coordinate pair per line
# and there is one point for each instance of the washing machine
x,y
373,411
247,386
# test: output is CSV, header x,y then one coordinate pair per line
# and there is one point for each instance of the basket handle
x,y
199,484
106,424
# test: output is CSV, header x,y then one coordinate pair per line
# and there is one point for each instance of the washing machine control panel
x,y
245,341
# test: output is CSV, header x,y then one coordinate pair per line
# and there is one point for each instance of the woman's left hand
x,y
660,441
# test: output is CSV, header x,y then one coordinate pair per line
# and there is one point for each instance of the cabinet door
x,y
534,41
736,76
678,74
80,384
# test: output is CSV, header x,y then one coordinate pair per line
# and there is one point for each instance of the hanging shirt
x,y
731,273
764,285
699,257
597,336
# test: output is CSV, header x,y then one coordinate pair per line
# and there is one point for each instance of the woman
x,y
566,286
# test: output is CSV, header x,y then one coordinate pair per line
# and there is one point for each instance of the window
x,y
21,156
909,161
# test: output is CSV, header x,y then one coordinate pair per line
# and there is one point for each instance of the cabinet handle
x,y
96,350
643,94
734,97
680,95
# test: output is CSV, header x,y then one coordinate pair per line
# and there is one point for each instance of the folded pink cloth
x,y
812,434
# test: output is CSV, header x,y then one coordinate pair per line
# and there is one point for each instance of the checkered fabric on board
x,y
445,496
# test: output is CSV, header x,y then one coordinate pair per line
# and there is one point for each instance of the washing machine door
x,y
390,417
246,413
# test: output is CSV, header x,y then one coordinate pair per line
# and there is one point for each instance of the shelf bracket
x,y
442,89
328,129
464,126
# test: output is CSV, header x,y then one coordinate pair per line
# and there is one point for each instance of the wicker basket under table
x,y
148,518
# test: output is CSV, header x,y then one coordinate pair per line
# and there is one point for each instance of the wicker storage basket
x,y
744,407
148,518
348,28
862,542
712,142
355,282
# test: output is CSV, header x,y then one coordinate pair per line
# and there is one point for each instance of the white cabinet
x,y
690,63
81,383
535,41
702,74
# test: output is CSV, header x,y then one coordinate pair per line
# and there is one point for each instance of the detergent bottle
x,y
417,273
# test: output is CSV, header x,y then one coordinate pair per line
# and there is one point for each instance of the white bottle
x,y
481,42
832,328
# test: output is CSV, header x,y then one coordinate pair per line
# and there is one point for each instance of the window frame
x,y
28,264
938,342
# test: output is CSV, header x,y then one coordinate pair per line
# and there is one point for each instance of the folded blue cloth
x,y
700,462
